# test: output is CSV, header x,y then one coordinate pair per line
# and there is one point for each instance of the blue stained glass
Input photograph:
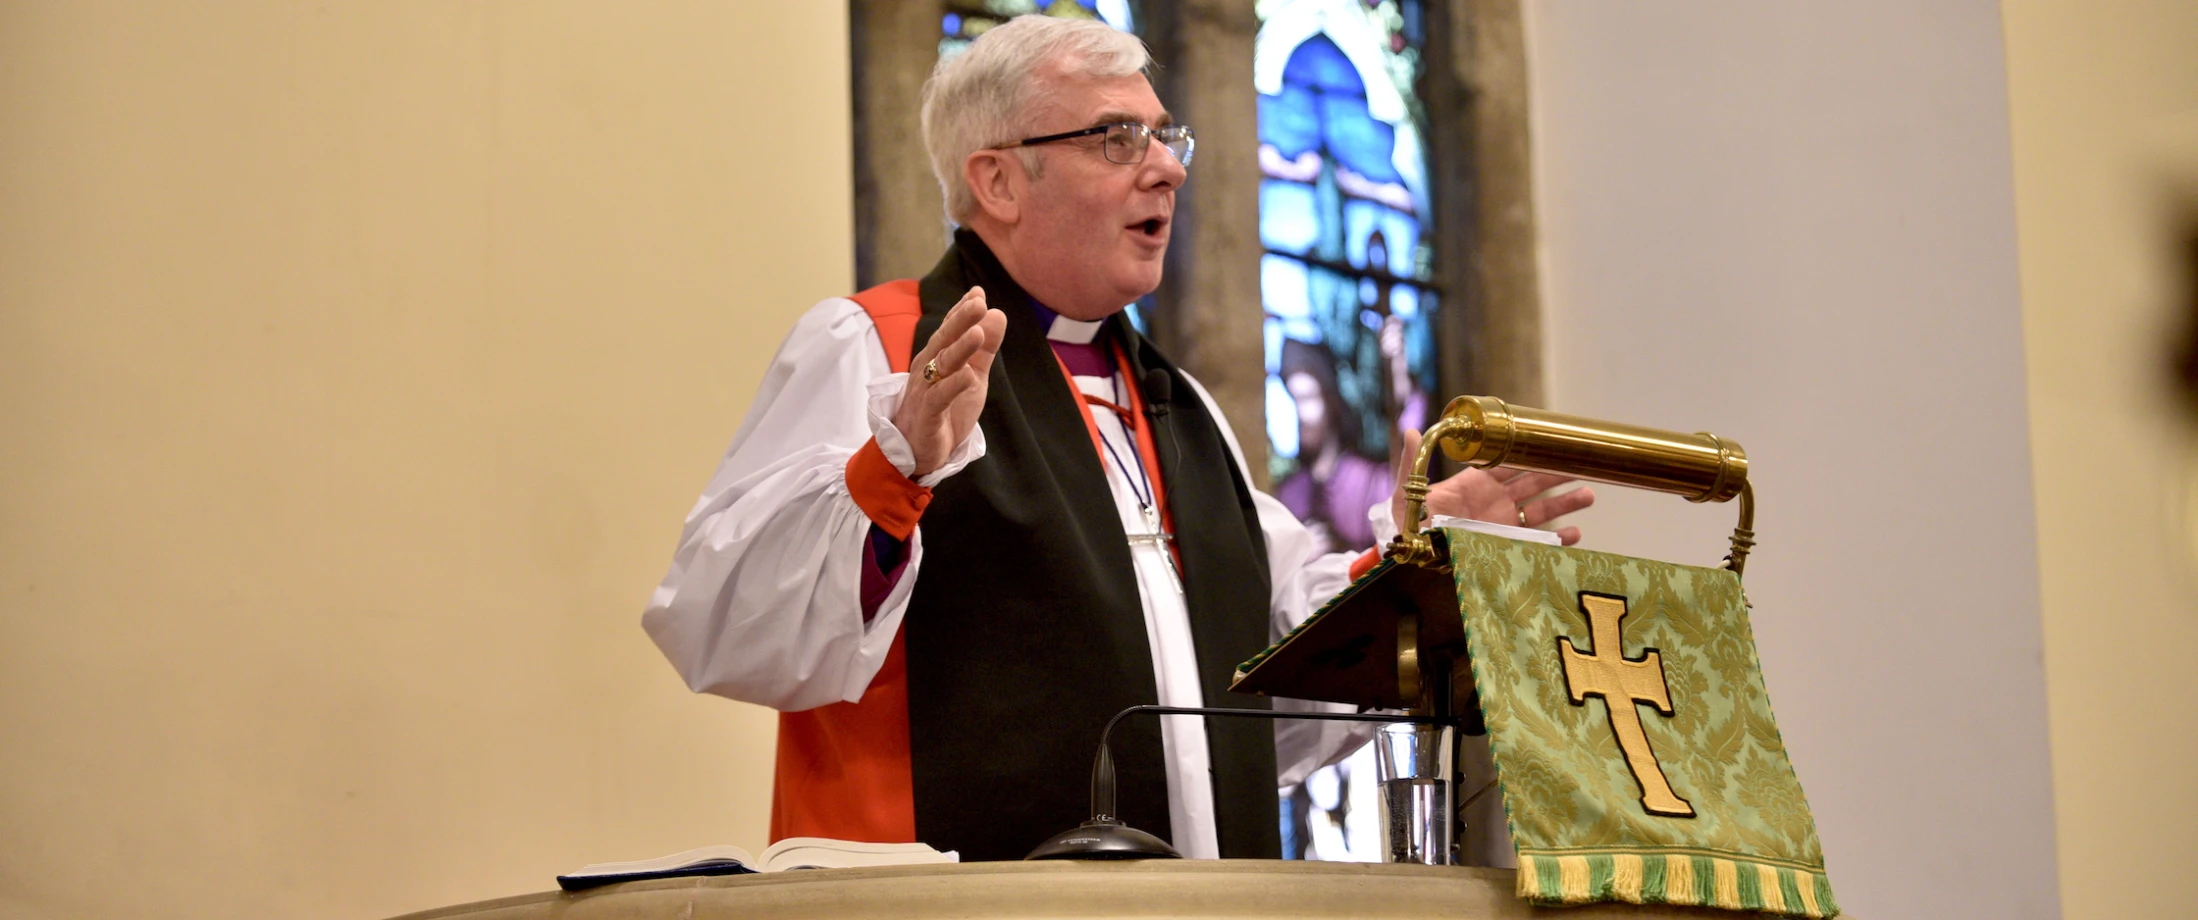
x,y
967,19
1404,302
1356,140
1284,286
1115,13
1322,106
1288,220
1334,300
1319,66
1400,234
1290,120
1419,340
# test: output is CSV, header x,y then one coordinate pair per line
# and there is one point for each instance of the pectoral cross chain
x,y
1158,538
1155,535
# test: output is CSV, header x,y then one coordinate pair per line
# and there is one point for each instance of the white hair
x,y
979,98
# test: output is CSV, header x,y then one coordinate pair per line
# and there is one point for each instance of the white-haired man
x,y
947,579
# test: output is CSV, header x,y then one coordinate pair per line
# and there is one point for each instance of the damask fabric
x,y
1580,819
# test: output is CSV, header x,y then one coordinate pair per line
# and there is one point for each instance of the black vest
x,y
1025,631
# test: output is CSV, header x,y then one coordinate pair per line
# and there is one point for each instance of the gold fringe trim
x,y
1572,875
1774,898
1626,877
1679,880
1685,879
1727,879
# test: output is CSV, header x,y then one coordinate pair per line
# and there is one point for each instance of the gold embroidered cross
x,y
1623,684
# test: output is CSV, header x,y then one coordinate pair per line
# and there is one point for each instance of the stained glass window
x,y
1350,337
967,19
1350,345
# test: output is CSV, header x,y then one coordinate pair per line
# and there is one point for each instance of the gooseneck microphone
x,y
1104,836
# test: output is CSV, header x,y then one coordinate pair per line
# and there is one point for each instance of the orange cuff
x,y
893,501
1365,563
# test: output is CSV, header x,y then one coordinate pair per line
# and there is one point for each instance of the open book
x,y
790,853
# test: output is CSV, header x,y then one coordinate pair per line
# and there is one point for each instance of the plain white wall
x,y
1793,225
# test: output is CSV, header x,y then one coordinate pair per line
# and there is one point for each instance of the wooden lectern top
x,y
1064,890
1347,651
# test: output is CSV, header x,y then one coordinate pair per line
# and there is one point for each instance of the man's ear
x,y
997,180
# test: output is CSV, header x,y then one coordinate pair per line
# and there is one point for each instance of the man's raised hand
x,y
937,414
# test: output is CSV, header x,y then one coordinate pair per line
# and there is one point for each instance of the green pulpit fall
x,y
1632,735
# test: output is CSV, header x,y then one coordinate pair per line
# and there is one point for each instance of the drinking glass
x,y
1415,764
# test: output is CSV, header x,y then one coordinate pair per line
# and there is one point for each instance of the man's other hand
x,y
935,415
1498,496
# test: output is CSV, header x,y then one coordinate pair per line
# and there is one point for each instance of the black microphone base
x,y
1103,837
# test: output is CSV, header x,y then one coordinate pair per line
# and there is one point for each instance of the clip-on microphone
x,y
1159,388
1104,836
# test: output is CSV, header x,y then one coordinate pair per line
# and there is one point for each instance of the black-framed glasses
x,y
1127,141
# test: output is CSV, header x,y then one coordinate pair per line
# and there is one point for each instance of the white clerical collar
x,y
1073,331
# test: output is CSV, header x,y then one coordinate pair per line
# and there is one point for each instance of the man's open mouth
x,y
1152,226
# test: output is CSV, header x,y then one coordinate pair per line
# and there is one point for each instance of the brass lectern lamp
x,y
1556,652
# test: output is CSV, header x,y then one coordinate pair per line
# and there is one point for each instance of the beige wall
x,y
2105,114
1794,224
357,363
358,360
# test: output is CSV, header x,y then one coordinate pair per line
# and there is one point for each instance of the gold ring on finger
x,y
1522,515
931,375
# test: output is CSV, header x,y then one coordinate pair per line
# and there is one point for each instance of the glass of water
x,y
1415,765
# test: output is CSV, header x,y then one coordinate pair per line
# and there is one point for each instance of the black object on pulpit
x,y
1104,836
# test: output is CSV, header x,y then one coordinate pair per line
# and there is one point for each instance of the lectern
x,y
1392,640
1623,706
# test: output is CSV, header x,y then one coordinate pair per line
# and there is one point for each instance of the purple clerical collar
x,y
1075,341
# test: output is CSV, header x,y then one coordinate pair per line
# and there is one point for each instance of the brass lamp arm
x,y
1413,545
1484,431
1743,533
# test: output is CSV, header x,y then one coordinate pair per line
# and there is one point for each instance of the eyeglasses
x,y
1127,141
